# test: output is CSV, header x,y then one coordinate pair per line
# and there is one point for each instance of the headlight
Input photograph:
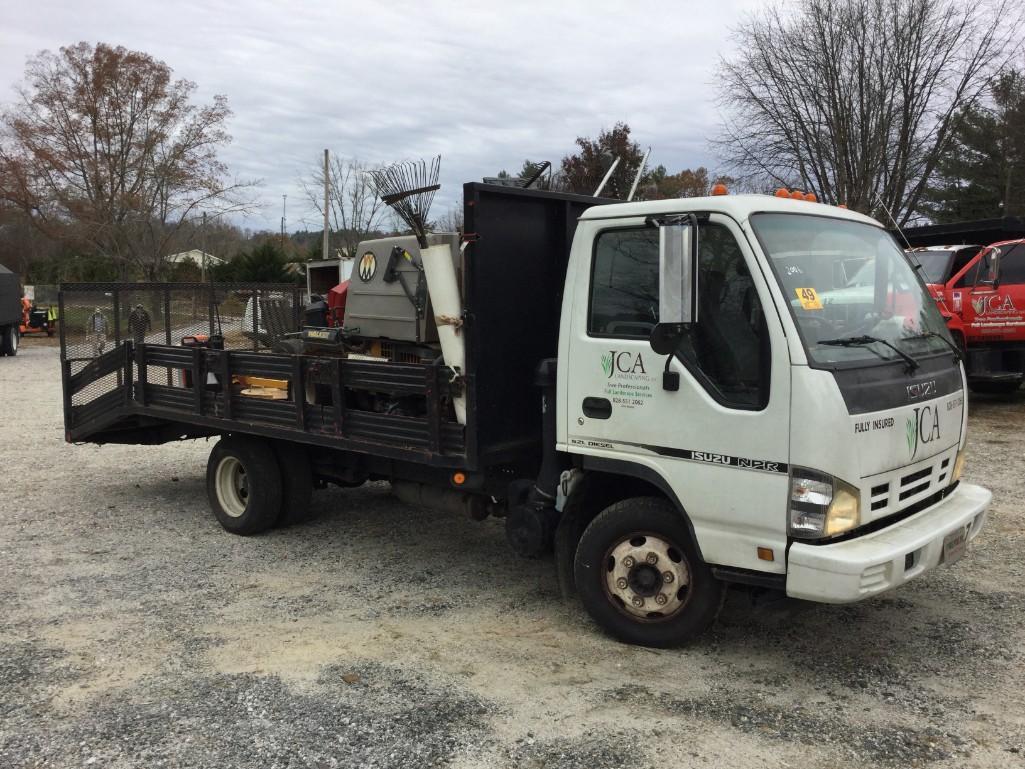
x,y
955,474
821,505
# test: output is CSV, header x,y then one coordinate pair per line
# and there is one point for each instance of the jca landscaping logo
x,y
922,427
613,362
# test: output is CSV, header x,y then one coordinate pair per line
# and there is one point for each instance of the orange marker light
x,y
797,195
782,192
720,189
458,478
810,197
841,205
766,554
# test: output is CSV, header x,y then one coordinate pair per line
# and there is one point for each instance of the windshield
x,y
847,280
935,264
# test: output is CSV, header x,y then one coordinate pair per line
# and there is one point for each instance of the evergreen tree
x,y
982,172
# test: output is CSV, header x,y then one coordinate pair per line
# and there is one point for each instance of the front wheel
x,y
640,575
243,484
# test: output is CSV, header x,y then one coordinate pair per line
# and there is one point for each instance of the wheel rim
x,y
232,487
647,577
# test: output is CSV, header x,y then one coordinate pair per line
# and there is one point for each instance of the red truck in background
x,y
981,294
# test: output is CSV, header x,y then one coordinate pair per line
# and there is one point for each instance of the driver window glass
x,y
624,286
1012,265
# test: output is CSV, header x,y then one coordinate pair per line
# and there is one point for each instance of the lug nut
x,y
652,558
637,601
667,577
629,561
621,583
661,599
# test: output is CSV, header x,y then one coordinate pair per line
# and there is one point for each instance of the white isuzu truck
x,y
672,396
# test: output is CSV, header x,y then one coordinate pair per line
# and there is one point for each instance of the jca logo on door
x,y
614,362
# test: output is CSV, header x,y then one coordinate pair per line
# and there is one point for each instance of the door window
x,y
1012,264
728,349
624,283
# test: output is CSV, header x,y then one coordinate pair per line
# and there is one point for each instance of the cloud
x,y
485,84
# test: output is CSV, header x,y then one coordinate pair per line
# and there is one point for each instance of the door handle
x,y
597,408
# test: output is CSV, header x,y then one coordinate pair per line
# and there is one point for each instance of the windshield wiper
x,y
930,334
862,341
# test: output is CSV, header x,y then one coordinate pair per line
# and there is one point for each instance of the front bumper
x,y
865,566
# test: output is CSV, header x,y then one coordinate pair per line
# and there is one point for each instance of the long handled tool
x,y
409,189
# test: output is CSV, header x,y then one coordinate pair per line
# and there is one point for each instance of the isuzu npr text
x,y
671,395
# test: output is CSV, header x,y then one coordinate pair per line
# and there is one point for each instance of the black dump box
x,y
138,366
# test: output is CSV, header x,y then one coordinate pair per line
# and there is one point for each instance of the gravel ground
x,y
135,632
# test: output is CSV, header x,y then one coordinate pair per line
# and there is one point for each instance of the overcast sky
x,y
485,84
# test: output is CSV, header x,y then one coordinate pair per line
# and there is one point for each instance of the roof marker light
x,y
782,192
720,189
797,195
810,197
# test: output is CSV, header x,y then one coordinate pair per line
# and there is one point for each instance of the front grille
x,y
906,487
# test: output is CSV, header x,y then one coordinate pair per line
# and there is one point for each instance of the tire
x,y
636,528
296,483
243,484
9,340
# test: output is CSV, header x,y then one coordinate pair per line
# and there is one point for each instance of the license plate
x,y
954,545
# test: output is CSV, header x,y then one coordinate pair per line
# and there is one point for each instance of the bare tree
x,y
355,209
105,150
451,220
854,99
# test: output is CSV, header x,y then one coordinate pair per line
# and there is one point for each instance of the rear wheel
x,y
640,575
243,484
296,483
9,339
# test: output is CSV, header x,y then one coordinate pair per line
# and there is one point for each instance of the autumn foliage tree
x,y
105,150
583,171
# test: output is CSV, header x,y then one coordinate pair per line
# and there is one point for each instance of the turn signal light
x,y
458,478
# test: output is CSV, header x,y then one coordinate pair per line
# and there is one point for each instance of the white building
x,y
197,257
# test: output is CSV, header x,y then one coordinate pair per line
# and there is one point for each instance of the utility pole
x,y
284,200
327,189
202,251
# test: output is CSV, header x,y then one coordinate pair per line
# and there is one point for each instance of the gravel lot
x,y
136,633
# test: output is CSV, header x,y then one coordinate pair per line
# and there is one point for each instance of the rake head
x,y
409,189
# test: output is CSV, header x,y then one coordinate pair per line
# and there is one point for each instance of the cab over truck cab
x,y
983,300
673,396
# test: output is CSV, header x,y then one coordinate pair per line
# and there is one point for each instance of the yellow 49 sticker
x,y
808,298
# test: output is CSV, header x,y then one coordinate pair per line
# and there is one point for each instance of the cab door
x,y
995,309
721,439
